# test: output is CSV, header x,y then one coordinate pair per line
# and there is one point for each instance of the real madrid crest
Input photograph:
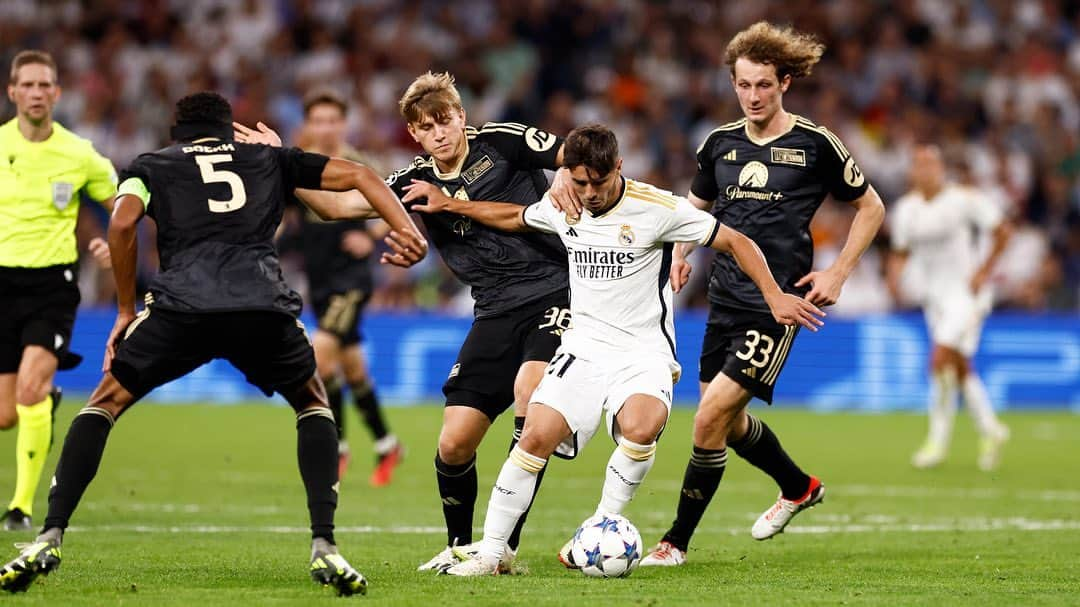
x,y
626,235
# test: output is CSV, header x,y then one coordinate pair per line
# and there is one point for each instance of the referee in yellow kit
x,y
43,167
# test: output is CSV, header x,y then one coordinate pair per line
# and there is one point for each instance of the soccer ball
x,y
606,546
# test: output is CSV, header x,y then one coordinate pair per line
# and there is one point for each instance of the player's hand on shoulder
x,y
261,134
99,249
123,320
408,247
825,286
427,198
562,194
790,309
680,272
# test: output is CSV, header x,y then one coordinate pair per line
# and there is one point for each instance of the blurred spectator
x,y
995,84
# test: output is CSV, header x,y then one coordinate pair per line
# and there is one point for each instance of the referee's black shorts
x,y
37,307
748,346
271,349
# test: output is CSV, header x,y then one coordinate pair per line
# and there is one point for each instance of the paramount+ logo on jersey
x,y
599,264
754,175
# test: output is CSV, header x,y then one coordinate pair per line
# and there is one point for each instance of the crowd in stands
x,y
996,83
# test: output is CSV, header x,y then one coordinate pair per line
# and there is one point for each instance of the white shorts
x,y
583,391
955,320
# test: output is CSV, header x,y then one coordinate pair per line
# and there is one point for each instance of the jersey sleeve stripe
x,y
720,129
665,271
712,235
833,140
492,129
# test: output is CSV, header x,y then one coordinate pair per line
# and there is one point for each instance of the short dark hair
x,y
30,57
204,107
594,146
324,96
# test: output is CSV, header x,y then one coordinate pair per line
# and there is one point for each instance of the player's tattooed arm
x,y
787,309
680,266
827,284
499,215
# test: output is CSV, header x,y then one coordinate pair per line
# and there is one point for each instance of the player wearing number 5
x,y
618,359
764,175
220,294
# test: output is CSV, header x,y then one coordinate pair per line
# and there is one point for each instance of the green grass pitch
x,y
201,505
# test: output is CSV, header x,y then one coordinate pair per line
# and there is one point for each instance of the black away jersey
x,y
770,191
217,204
504,163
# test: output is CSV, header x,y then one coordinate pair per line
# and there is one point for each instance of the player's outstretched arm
x,y
341,175
124,252
499,215
787,309
826,284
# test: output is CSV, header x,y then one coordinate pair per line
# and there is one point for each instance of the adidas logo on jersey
x,y
572,232
750,372
730,156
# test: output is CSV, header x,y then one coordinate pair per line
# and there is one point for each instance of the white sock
x,y
629,464
978,405
510,497
942,406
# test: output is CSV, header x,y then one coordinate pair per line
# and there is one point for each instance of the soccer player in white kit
x,y
617,361
933,236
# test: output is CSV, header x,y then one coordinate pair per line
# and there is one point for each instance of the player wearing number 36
x,y
618,358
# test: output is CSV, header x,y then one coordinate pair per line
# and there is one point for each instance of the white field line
x,y
884,491
957,525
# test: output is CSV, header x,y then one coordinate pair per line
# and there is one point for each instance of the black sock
x,y
761,448
334,399
515,536
457,488
700,481
317,453
79,461
368,405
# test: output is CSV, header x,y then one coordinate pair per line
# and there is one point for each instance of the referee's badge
x,y
62,192
626,235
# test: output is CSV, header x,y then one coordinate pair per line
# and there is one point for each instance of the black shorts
x,y
747,346
488,362
339,314
271,349
37,307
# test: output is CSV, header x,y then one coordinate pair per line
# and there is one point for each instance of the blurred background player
x,y
337,261
765,176
936,232
43,170
220,294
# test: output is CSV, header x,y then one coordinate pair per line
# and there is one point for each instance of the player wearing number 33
x,y
765,175
617,361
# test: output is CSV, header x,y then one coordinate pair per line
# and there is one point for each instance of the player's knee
x,y
642,435
8,418
537,445
455,451
308,393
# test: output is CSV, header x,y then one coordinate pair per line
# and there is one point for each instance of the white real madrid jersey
x,y
940,237
620,296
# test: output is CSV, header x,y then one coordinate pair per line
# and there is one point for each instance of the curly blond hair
x,y
432,95
792,53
